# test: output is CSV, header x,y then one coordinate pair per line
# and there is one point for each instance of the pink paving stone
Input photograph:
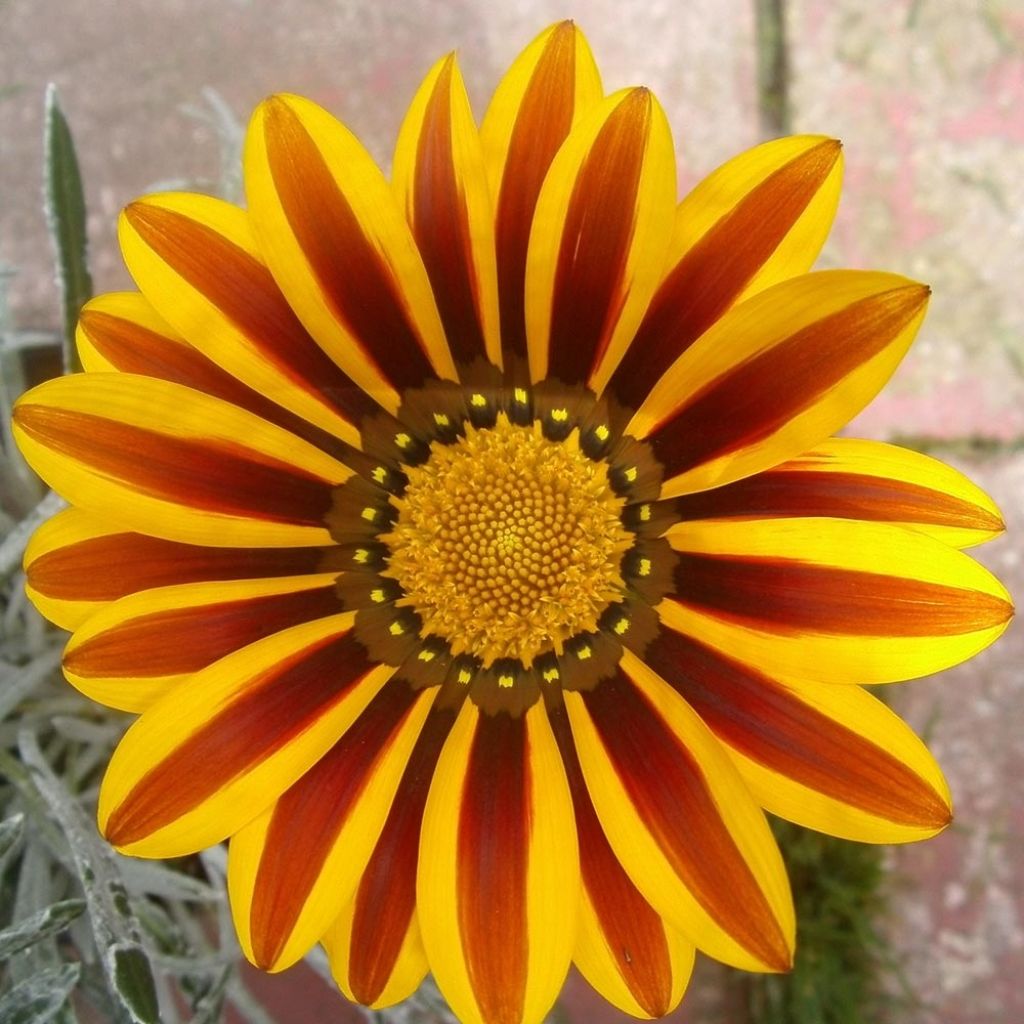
x,y
126,71
958,909
998,113
297,996
929,101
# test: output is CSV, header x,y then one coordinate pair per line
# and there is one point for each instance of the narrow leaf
x,y
114,924
30,930
10,832
210,1008
65,214
40,998
155,879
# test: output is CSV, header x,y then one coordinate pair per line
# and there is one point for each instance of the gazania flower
x,y
476,551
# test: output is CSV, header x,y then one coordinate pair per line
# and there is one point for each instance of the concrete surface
x,y
928,96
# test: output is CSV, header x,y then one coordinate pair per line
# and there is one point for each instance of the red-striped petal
x,y
442,185
121,331
284,894
680,820
601,229
162,459
76,563
624,949
832,758
756,220
133,651
832,600
845,478
195,260
778,374
543,94
215,752
498,873
375,949
340,249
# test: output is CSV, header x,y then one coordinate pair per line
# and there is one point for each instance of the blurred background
x,y
928,98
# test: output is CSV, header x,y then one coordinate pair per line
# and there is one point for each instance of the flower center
x,y
507,544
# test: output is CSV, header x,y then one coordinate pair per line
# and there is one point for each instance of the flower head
x,y
477,552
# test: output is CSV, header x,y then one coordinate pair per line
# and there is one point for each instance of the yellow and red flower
x,y
477,553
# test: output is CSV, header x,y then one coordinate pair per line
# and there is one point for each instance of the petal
x,y
548,87
778,374
135,650
757,220
336,241
392,981
600,233
121,331
681,821
628,953
846,478
441,182
375,948
498,881
218,750
195,259
285,893
830,600
77,563
169,461
832,758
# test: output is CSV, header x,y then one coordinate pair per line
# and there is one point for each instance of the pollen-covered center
x,y
506,543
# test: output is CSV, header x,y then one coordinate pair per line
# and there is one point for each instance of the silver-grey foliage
x,y
39,999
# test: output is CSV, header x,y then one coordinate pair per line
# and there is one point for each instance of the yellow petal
x,y
832,758
441,183
681,821
77,563
599,237
624,948
800,177
135,650
340,249
757,220
128,307
830,600
216,751
549,86
618,973
499,845
375,948
66,597
828,812
285,894
195,260
778,374
405,973
846,478
162,459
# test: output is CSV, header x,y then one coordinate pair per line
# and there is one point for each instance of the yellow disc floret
x,y
506,544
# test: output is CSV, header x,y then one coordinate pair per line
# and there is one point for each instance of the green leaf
x,y
65,214
30,930
133,979
40,998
